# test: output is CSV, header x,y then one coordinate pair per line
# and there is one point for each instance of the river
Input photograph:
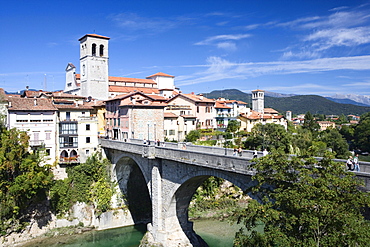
x,y
216,233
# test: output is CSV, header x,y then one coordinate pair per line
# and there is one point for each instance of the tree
x,y
335,141
362,133
270,136
192,136
304,202
310,123
23,180
233,126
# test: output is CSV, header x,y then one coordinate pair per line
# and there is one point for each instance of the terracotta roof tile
x,y
160,74
94,35
170,115
124,89
127,79
30,104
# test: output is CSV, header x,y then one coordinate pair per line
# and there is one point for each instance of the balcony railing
x,y
69,160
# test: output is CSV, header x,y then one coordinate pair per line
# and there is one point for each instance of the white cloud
x,y
224,41
220,69
210,40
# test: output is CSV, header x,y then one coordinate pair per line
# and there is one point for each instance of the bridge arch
x,y
177,209
133,184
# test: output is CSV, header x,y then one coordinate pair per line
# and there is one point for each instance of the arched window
x,y
101,50
94,49
73,153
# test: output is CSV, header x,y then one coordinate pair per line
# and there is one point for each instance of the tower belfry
x,y
94,66
258,100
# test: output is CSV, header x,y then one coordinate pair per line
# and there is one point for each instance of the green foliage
x,y
193,136
88,182
270,136
310,123
23,180
335,141
233,126
304,202
362,133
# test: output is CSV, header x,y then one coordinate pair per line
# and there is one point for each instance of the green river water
x,y
216,233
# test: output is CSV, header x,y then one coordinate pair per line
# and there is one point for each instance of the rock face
x,y
42,221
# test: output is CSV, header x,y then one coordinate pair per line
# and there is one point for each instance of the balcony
x,y
69,160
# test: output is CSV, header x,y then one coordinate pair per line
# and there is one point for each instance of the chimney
x,y
201,96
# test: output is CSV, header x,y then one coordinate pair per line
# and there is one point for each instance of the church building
x,y
94,81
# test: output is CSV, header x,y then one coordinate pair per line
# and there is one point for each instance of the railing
x,y
137,146
69,160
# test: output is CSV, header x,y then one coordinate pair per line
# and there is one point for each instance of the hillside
x,y
298,104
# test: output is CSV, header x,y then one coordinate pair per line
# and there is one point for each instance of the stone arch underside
x,y
133,186
183,194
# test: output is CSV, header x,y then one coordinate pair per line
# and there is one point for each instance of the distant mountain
x,y
298,104
362,99
346,101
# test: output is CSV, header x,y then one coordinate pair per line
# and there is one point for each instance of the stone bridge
x,y
159,183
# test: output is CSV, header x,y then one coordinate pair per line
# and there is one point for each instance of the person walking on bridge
x,y
356,164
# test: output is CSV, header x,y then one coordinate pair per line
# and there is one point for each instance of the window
x,y
87,139
87,126
68,115
197,109
101,50
68,129
171,132
93,49
68,141
47,151
47,135
69,84
87,151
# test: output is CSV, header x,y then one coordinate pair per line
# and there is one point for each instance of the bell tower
x,y
258,100
94,66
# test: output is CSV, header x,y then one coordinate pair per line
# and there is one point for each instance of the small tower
x,y
289,115
94,66
258,100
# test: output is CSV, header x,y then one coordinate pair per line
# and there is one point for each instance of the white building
x,y
38,117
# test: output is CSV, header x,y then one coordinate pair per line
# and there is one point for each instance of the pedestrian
x,y
144,142
240,151
356,164
254,154
264,153
349,163
235,152
148,142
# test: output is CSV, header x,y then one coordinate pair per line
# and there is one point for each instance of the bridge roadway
x,y
159,183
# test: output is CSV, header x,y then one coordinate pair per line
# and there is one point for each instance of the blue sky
x,y
300,47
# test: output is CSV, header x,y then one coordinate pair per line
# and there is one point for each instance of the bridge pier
x,y
165,228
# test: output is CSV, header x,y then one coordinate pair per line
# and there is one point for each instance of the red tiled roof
x,y
74,106
193,97
94,35
30,104
256,115
125,89
221,105
160,74
170,115
127,79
